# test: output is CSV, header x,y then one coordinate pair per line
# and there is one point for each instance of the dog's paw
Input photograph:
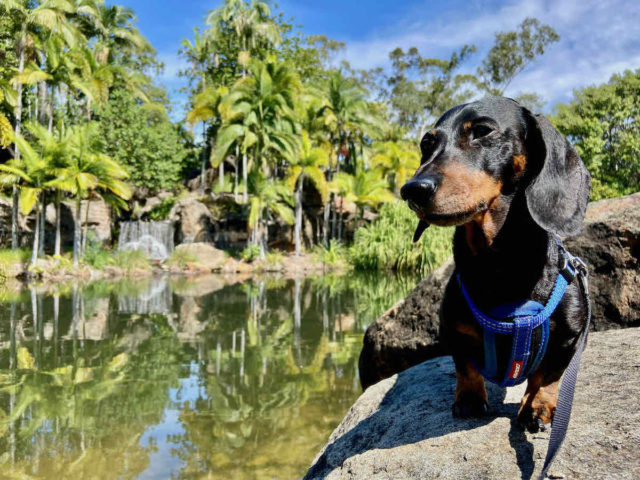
x,y
470,404
535,420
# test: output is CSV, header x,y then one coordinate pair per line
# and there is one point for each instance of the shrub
x,y
334,255
9,256
251,253
180,258
129,260
387,243
161,211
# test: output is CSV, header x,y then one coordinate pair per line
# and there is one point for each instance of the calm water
x,y
165,378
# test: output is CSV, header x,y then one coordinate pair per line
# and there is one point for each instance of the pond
x,y
181,378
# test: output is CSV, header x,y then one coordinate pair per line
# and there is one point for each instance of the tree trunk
x,y
298,227
245,195
221,176
43,222
86,226
340,219
235,179
56,251
18,126
203,167
36,235
42,86
52,101
76,234
14,216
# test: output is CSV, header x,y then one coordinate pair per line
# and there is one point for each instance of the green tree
x,y
259,114
397,161
366,188
89,170
307,164
513,51
268,197
141,138
602,123
34,19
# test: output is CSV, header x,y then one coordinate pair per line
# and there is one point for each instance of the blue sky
x,y
598,38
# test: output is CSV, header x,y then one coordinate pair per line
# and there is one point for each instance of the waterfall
x,y
153,238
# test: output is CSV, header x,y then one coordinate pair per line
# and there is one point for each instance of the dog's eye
x,y
427,145
480,131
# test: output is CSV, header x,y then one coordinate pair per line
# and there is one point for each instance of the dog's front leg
x,y
539,401
471,394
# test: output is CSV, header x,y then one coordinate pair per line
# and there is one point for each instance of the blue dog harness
x,y
525,317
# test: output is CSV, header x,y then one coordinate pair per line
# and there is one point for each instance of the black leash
x,y
567,388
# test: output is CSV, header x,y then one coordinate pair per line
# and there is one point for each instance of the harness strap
x,y
562,414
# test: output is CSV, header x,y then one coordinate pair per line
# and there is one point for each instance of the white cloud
x,y
597,39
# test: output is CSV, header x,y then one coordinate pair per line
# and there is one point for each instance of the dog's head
x,y
480,153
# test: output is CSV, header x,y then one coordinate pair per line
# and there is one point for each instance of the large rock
x,y
610,245
402,428
407,333
195,222
204,255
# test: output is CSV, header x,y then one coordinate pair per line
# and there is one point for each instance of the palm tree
x,y
364,188
46,16
307,165
30,173
89,171
251,24
397,161
205,109
346,108
258,113
268,197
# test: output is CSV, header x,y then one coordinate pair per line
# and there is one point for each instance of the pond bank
x,y
193,259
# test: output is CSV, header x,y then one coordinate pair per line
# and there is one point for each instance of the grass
x,y
180,259
130,260
9,256
387,243
335,255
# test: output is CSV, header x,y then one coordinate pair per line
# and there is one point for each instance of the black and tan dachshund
x,y
511,184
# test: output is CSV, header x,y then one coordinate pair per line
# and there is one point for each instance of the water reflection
x,y
165,378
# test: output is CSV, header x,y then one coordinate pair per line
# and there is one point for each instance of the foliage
x,y
130,260
334,255
387,243
251,253
180,258
148,144
161,211
97,257
10,256
602,123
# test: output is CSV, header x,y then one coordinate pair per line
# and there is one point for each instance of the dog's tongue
x,y
422,226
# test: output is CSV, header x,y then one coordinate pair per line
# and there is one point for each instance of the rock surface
x,y
610,245
402,427
195,222
204,255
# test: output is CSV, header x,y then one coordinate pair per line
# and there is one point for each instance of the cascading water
x,y
153,238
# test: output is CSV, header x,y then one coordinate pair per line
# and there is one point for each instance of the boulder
x,y
610,245
407,334
204,255
194,221
402,427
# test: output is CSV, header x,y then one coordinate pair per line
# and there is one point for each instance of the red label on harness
x,y
516,368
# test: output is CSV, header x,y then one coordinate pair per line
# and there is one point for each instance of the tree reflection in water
x,y
183,378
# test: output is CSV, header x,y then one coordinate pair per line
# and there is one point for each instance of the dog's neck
x,y
503,255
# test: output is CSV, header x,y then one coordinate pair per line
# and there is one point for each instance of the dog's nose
x,y
418,192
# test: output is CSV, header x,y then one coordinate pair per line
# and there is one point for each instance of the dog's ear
x,y
558,192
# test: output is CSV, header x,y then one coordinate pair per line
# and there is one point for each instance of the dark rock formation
x,y
402,427
407,333
610,245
